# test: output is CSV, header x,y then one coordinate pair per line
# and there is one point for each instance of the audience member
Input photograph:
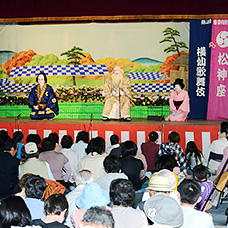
x,y
9,169
3,139
56,209
130,165
21,185
91,196
34,138
33,164
14,212
190,192
122,196
66,143
115,148
150,150
18,137
57,162
112,166
172,148
82,178
200,174
94,159
80,145
55,138
98,217
35,187
163,211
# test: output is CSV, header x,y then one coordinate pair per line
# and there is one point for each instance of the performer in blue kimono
x,y
42,99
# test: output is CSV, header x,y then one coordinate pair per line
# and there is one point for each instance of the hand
x,y
188,177
174,113
106,97
47,109
36,107
121,86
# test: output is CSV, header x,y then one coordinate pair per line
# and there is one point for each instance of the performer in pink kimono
x,y
178,102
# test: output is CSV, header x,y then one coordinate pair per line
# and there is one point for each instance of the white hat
x,y
170,175
159,184
31,148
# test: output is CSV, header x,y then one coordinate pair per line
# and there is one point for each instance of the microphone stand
x,y
18,121
91,126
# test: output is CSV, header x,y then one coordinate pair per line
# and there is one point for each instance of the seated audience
x,y
132,166
150,150
66,143
55,138
163,211
200,174
98,217
190,192
18,137
80,145
9,169
115,148
3,138
33,164
94,159
21,185
112,166
14,212
57,162
122,196
55,209
82,178
35,187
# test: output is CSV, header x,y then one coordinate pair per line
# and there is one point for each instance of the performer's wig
x,y
179,82
45,76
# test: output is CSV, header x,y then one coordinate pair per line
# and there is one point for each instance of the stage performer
x,y
178,102
42,99
117,88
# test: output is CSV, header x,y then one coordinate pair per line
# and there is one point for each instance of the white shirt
x,y
80,149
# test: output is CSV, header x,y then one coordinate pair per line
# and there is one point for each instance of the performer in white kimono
x,y
117,88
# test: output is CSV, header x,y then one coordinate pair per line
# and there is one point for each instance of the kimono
x,y
178,102
44,98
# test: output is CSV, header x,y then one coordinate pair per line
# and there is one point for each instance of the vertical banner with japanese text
x,y
218,89
199,67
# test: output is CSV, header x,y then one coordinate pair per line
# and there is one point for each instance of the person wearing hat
x,y
91,196
33,164
163,211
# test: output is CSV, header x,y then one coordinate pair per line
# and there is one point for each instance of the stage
x,y
201,131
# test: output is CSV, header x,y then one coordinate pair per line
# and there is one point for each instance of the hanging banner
x,y
199,67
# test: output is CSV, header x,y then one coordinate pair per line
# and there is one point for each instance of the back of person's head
x,y
191,147
224,127
165,162
200,172
21,182
47,145
114,139
95,145
174,137
98,217
190,191
82,136
35,187
84,177
18,136
14,212
153,136
3,138
112,164
66,141
33,138
53,137
122,192
55,204
31,149
9,144
128,148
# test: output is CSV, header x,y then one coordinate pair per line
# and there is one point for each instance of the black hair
x,y
55,204
174,137
45,76
53,137
96,145
14,212
179,82
190,150
165,162
35,186
128,148
122,192
3,138
224,127
99,216
66,141
33,138
47,145
82,136
200,172
114,139
112,164
153,136
18,136
190,191
9,144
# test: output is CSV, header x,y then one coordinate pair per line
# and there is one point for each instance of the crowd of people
x,y
58,183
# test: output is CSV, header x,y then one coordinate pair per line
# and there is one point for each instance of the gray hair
x,y
84,177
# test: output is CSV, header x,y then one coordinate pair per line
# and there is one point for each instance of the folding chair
x,y
216,158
